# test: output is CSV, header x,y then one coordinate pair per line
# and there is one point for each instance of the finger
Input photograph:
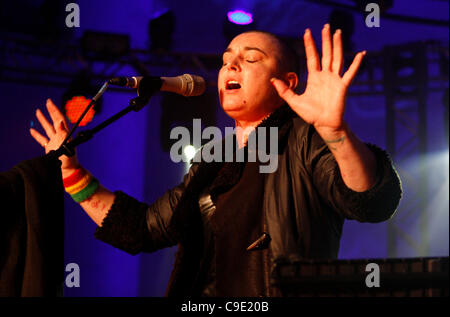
x,y
351,72
326,48
49,129
42,140
312,58
55,114
338,59
61,127
283,90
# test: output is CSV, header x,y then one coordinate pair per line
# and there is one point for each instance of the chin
x,y
241,115
233,110
234,113
247,112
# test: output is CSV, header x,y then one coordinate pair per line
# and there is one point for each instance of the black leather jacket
x,y
305,204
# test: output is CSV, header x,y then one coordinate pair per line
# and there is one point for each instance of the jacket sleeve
x,y
376,204
134,227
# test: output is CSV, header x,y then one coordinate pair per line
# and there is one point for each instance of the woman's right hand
x,y
56,133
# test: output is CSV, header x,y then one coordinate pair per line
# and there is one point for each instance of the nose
x,y
234,65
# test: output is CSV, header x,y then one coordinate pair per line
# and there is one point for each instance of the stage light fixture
x,y
240,17
75,106
237,22
77,97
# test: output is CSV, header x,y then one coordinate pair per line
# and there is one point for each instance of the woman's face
x,y
249,62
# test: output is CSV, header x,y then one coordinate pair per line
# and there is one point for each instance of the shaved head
x,y
288,58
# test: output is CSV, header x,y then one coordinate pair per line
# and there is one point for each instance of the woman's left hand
x,y
323,102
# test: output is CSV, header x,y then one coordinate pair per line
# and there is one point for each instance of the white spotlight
x,y
189,152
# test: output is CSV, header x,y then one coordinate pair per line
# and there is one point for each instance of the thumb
x,y
283,90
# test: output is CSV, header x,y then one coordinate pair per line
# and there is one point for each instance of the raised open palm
x,y
55,132
323,102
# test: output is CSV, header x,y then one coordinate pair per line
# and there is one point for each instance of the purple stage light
x,y
240,17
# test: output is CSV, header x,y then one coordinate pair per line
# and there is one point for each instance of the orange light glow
x,y
76,106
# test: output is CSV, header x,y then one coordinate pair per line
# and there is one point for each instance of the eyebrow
x,y
247,48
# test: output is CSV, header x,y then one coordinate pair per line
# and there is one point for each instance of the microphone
x,y
186,85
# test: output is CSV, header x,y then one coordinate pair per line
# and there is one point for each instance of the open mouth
x,y
232,84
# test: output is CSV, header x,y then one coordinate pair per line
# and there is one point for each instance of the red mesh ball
x,y
76,106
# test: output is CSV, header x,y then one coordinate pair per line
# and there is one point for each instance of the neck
x,y
244,128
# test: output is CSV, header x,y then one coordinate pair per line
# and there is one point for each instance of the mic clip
x,y
148,86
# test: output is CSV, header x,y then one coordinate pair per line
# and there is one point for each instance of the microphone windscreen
x,y
192,85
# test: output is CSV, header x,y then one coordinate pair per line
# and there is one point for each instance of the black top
x,y
305,202
232,227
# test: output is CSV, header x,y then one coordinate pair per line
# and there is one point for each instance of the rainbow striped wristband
x,y
80,185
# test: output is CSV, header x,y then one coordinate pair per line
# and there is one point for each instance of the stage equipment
x,y
77,97
240,17
237,22
186,85
68,147
405,81
104,46
384,5
408,277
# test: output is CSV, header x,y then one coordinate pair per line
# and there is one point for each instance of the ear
x,y
291,79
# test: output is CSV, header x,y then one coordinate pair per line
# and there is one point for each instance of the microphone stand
x,y
68,147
